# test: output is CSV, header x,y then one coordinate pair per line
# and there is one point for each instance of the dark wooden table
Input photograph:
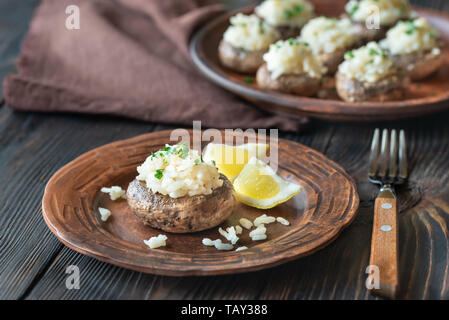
x,y
33,262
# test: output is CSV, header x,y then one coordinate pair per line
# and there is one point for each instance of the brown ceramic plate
x,y
423,97
327,204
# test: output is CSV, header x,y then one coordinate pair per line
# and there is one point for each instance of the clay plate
x,y
70,204
422,97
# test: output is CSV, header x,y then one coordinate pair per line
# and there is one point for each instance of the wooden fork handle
x,y
384,245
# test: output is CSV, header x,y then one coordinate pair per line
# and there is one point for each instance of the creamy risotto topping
x,y
279,13
368,64
390,11
292,57
178,171
326,35
411,36
249,33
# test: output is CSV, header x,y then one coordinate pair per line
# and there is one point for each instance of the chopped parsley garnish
x,y
353,9
349,54
181,150
261,28
293,12
297,8
248,80
288,14
411,27
159,173
293,41
373,52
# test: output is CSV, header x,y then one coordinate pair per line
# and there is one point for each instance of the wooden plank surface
x,y
33,263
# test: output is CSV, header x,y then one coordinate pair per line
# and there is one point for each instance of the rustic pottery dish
x,y
423,97
327,204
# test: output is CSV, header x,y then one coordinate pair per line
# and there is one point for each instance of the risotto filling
x,y
178,171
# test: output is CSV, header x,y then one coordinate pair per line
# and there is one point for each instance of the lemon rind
x,y
257,203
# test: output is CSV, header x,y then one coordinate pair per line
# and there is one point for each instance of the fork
x,y
387,168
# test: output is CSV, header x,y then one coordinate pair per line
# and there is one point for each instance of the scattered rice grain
x,y
283,221
247,224
223,246
105,213
258,237
238,229
208,242
223,233
258,231
156,242
115,192
232,235
264,219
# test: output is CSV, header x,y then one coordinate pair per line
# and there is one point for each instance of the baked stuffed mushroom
x,y
372,18
177,191
287,16
329,39
291,67
370,74
245,42
415,46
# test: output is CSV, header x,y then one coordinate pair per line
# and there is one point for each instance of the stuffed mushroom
x,y
372,18
415,46
245,42
370,74
291,67
287,16
178,192
329,39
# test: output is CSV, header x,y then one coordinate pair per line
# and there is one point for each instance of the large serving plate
x,y
422,97
327,204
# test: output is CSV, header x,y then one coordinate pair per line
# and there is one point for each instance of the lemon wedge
x,y
259,186
230,160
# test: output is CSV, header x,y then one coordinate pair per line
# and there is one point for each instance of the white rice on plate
x,y
156,242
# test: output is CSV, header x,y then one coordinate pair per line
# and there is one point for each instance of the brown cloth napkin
x,y
129,58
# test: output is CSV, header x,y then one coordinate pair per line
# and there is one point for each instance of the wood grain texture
x,y
384,247
423,97
26,246
33,263
327,204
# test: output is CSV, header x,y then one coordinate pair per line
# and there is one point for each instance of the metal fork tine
x,y
393,155
384,154
374,153
403,171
